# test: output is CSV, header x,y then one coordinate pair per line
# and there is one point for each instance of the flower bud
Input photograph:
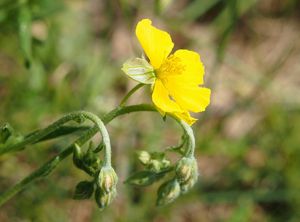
x,y
144,157
6,131
139,70
107,179
103,199
185,169
168,192
155,165
186,186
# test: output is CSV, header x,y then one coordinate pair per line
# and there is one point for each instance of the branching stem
x,y
45,169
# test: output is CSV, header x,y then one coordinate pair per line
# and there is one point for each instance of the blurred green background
x,y
58,56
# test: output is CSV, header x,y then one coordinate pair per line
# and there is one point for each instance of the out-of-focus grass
x,y
59,56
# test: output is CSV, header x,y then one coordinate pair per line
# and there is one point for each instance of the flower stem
x,y
191,141
47,168
133,90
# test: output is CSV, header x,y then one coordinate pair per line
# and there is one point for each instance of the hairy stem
x,y
45,169
37,136
133,90
191,141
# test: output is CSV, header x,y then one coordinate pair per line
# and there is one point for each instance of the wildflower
x,y
175,78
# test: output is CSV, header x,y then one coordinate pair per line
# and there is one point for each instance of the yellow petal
x,y
189,96
181,74
183,65
156,43
185,116
162,100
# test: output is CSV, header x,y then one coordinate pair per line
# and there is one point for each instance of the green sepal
x,y
91,159
99,148
88,162
83,190
77,156
139,70
104,199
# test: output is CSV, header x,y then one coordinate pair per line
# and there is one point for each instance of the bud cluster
x,y
154,161
88,161
105,177
186,175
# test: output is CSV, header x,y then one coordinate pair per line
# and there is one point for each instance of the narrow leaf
x,y
83,190
144,178
25,33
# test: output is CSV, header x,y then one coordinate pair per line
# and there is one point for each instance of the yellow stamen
x,y
171,66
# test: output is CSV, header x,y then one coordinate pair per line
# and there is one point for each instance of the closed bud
x,y
168,192
144,157
155,165
186,186
77,156
185,169
107,179
6,131
103,199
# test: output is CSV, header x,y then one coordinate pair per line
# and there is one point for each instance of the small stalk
x,y
133,90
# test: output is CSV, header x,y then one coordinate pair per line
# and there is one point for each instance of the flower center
x,y
171,66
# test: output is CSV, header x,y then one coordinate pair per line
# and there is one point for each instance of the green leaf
x,y
83,190
88,162
198,8
61,131
144,178
227,20
25,33
179,148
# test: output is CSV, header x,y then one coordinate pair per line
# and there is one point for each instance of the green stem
x,y
191,141
45,169
105,136
133,90
37,136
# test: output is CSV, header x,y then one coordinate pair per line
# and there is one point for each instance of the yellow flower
x,y
175,78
